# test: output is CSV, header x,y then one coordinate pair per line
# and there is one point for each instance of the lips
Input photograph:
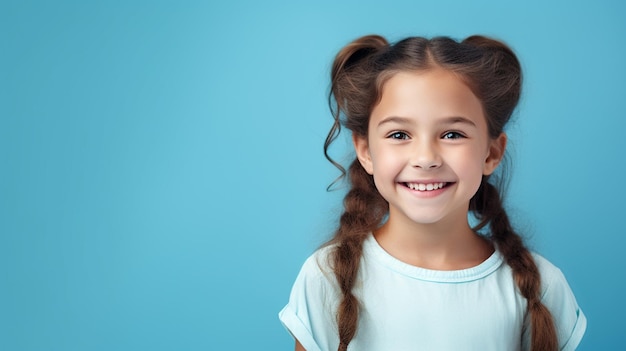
x,y
426,186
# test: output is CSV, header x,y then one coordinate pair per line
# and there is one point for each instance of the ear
x,y
495,155
362,149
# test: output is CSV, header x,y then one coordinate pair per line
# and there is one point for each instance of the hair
x,y
493,73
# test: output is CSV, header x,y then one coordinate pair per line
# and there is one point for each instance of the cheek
x,y
471,167
386,161
468,164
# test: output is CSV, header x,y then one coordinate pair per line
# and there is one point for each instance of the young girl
x,y
406,270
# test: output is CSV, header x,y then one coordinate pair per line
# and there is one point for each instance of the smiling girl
x,y
405,269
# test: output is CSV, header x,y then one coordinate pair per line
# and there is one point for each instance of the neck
x,y
444,245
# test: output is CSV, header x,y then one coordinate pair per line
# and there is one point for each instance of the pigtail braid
x,y
497,80
487,203
364,208
364,211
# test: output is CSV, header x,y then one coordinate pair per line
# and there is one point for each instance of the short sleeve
x,y
308,315
557,296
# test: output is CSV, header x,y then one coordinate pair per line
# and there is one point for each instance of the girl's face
x,y
428,146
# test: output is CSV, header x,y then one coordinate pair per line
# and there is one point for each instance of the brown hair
x,y
492,71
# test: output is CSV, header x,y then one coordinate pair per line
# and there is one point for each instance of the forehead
x,y
431,93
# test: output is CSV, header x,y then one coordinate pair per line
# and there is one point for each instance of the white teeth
x,y
425,187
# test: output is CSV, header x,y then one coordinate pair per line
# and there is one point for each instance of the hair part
x,y
360,70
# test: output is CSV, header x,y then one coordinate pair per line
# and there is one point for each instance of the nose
x,y
426,155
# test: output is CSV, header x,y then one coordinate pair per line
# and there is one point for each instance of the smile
x,y
425,186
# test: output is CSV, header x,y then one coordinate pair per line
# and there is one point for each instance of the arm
x,y
299,346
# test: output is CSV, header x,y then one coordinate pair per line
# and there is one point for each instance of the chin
x,y
425,218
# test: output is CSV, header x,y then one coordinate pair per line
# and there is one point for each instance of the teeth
x,y
425,187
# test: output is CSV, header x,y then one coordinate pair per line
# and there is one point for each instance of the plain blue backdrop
x,y
161,167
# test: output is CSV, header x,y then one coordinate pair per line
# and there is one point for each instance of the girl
x,y
406,270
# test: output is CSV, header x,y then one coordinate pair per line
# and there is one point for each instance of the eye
x,y
452,135
398,136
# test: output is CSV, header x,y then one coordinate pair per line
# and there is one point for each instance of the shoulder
x,y
550,274
556,293
552,278
319,264
316,279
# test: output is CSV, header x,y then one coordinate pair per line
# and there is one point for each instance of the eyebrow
x,y
445,121
395,119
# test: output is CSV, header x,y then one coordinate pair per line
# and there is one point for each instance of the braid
x,y
352,96
364,211
346,270
497,82
488,205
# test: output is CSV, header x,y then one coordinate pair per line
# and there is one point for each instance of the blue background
x,y
161,168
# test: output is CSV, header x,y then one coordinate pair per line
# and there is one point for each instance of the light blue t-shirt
x,y
404,307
